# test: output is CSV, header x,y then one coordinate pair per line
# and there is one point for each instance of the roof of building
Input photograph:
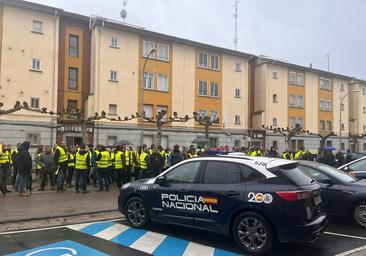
x,y
141,31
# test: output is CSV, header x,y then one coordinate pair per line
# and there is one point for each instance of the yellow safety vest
x,y
5,157
81,161
103,162
111,159
63,156
118,160
97,152
71,162
150,151
143,161
254,153
38,166
11,154
128,157
137,155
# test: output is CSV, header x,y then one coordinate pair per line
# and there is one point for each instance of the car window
x,y
185,173
315,174
222,173
250,174
359,166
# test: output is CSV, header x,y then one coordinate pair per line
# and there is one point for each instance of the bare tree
x,y
287,132
355,138
323,137
205,121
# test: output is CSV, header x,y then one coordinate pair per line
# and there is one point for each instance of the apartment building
x,y
28,70
288,94
358,114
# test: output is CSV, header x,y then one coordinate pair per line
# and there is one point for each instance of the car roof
x,y
354,161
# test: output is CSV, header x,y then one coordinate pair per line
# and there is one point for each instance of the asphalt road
x,y
117,238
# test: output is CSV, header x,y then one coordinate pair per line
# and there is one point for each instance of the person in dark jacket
x,y
24,162
156,162
340,158
176,156
273,153
15,165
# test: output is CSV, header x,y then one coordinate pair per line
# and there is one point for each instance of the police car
x,y
258,201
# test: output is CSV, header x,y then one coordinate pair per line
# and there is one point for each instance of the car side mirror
x,y
328,182
160,180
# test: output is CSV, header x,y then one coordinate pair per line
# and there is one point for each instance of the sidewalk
x,y
50,204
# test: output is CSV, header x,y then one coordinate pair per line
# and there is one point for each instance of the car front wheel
x,y
136,212
359,214
253,233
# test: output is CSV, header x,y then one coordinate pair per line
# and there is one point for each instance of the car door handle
x,y
232,193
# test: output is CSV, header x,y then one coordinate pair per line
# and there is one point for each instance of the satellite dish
x,y
123,14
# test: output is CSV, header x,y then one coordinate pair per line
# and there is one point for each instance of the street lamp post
x,y
142,95
340,117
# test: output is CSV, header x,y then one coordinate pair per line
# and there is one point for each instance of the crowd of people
x,y
81,166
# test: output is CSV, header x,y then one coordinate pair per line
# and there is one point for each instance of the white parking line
x,y
345,235
352,251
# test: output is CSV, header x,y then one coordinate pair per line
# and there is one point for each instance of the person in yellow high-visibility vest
x,y
111,166
70,167
13,157
145,164
136,162
82,165
4,168
128,163
61,161
102,164
119,163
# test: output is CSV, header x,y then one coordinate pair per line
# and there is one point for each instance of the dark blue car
x,y
256,201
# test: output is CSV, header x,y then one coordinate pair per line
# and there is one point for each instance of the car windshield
x,y
340,175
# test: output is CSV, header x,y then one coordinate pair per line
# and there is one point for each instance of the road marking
x,y
149,242
194,249
57,227
345,235
112,231
352,251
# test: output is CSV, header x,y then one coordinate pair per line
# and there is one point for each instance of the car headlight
x,y
126,185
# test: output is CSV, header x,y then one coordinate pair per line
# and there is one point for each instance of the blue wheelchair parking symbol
x,y
64,248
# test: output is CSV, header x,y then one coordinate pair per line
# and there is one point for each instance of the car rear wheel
x,y
253,233
136,212
359,214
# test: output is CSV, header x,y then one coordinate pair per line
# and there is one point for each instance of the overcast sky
x,y
299,31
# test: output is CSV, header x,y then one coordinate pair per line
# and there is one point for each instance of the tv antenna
x,y
236,40
124,11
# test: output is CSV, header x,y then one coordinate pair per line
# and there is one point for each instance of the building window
x,y
148,45
237,67
300,79
274,98
163,108
300,101
329,125
214,90
292,77
73,78
214,62
113,76
300,121
36,65
37,26
214,116
326,84
148,109
237,119
72,104
112,109
163,83
149,81
34,103
342,87
73,46
342,127
325,105
202,113
364,91
113,42
322,125
202,59
274,121
343,146
237,143
292,100
275,144
34,138
292,122
364,110
163,52
237,93
274,75
342,107
111,140
364,147
202,88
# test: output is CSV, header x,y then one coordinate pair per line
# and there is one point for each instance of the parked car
x,y
256,200
356,168
342,194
